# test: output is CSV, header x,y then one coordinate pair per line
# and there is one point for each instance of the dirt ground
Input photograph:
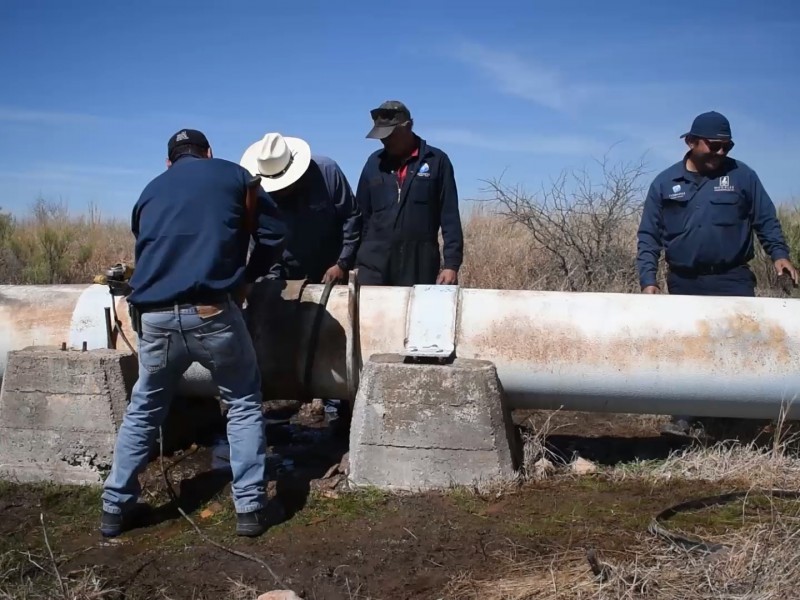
x,y
346,545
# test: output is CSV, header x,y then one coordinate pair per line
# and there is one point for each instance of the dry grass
x,y
770,461
561,239
761,561
748,464
24,576
50,246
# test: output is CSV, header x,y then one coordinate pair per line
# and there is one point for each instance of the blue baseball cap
x,y
710,126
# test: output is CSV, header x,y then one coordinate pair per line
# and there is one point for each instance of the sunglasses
x,y
717,145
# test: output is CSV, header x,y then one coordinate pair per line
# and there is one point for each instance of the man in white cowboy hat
x,y
317,204
321,215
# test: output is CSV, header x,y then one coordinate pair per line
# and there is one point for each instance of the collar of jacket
x,y
424,152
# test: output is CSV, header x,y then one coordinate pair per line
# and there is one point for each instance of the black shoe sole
x,y
248,531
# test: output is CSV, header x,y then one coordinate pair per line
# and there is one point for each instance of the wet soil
x,y
337,544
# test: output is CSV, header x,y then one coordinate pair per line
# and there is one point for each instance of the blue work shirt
x,y
191,241
323,223
706,222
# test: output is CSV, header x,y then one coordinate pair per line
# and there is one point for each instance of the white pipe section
x,y
49,315
704,356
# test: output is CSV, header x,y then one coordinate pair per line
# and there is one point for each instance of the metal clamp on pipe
x,y
431,322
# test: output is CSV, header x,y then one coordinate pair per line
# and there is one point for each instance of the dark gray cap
x,y
386,117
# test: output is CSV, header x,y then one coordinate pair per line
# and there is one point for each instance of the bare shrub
x,y
584,227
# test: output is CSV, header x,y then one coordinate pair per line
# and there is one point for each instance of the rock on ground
x,y
279,595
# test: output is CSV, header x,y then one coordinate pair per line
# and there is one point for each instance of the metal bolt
x,y
83,347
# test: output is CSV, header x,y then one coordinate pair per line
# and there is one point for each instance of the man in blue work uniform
x,y
702,211
407,193
317,204
322,217
192,225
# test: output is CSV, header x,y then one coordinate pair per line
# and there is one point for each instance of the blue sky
x,y
92,89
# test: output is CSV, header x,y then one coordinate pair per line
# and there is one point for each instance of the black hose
x,y
694,544
314,337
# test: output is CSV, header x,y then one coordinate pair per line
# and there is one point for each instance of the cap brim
x,y
302,159
716,137
379,133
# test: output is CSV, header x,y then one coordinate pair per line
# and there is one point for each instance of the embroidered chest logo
x,y
424,171
724,185
676,192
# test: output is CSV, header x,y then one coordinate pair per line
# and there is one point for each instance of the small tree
x,y
585,228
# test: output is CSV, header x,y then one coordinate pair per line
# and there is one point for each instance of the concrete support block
x,y
60,412
429,426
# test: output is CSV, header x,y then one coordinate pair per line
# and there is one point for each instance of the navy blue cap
x,y
186,137
710,126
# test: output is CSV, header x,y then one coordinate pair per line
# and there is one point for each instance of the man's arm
x,y
349,214
270,239
769,231
452,233
364,202
135,221
649,242
765,221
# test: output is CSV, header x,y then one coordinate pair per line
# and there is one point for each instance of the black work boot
x,y
253,524
112,525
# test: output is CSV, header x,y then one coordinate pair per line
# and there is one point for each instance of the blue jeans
x,y
216,337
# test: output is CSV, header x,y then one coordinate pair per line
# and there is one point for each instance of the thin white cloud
x,y
72,174
515,76
549,86
100,170
571,145
23,115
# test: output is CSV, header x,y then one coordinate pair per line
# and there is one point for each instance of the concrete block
x,y
430,426
60,412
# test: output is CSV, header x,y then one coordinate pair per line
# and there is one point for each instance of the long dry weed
x,y
759,562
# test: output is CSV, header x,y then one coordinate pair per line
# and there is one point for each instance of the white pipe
x,y
705,356
50,315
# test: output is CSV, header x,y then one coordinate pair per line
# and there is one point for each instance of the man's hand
x,y
651,289
447,277
783,264
335,274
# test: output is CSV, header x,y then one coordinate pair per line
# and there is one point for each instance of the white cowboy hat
x,y
279,160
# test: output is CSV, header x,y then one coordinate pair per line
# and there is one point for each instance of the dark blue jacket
x,y
706,222
323,221
190,235
400,243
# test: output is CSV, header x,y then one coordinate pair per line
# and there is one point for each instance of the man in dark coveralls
x,y
702,211
407,194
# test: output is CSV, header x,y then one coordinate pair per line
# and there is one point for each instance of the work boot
x,y
112,525
253,524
